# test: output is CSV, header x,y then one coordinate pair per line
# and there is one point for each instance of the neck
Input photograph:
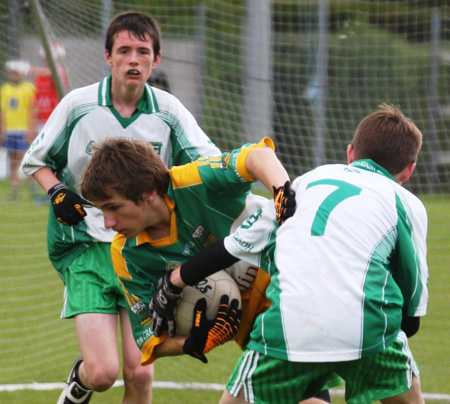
x,y
161,223
159,232
125,100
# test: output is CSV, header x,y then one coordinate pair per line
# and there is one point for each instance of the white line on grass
x,y
175,386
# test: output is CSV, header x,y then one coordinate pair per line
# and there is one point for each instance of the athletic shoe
x,y
73,393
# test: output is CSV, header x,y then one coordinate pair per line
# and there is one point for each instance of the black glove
x,y
285,204
67,205
208,334
163,305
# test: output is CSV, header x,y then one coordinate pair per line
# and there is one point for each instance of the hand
x,y
163,305
67,205
285,204
208,334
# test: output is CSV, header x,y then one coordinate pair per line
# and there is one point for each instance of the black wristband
x,y
55,189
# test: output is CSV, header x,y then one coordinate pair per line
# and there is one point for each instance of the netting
x,y
302,72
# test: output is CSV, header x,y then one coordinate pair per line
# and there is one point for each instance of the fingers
x,y
200,306
157,326
171,327
285,203
191,349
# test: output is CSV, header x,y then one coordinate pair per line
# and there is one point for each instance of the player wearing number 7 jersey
x,y
348,276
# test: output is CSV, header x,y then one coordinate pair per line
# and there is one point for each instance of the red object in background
x,y
46,97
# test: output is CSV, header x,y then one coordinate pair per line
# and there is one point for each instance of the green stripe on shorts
x,y
267,380
385,374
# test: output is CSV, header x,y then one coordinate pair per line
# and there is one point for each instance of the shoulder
x,y
168,102
84,93
319,173
28,86
80,97
413,205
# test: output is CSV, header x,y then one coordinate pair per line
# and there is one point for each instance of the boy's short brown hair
x,y
128,167
388,138
140,24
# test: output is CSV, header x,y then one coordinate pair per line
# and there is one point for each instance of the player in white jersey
x,y
348,276
121,105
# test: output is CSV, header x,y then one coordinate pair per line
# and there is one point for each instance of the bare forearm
x,y
263,165
172,346
46,178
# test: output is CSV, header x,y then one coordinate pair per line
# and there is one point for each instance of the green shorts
x,y
267,380
91,284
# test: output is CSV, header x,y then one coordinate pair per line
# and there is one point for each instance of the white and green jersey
x,y
343,267
85,117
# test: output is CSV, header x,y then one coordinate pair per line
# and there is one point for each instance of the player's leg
x,y
227,398
138,379
91,299
98,366
314,400
97,336
17,147
15,161
412,396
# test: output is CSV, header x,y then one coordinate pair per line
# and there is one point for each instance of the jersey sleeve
x,y
49,148
254,240
410,269
228,173
224,174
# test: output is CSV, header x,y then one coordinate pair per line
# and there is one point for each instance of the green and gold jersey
x,y
207,198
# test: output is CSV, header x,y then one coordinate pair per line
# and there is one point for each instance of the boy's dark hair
x,y
128,167
388,138
140,24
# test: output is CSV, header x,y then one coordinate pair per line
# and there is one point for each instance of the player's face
x,y
132,60
14,76
124,216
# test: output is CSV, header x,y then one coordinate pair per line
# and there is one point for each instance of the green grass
x,y
36,346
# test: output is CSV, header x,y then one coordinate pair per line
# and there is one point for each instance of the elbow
x,y
410,325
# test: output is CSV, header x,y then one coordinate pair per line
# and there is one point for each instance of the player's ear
x,y
157,59
404,175
108,58
149,196
350,154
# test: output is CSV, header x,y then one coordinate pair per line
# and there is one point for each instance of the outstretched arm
x,y
205,263
263,165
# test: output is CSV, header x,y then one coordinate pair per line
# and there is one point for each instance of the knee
x,y
138,377
101,378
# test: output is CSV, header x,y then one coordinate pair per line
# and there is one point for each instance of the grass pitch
x,y
36,346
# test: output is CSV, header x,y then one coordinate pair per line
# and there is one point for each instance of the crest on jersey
x,y
226,158
203,235
172,265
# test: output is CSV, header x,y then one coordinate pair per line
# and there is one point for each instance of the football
x,y
211,288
